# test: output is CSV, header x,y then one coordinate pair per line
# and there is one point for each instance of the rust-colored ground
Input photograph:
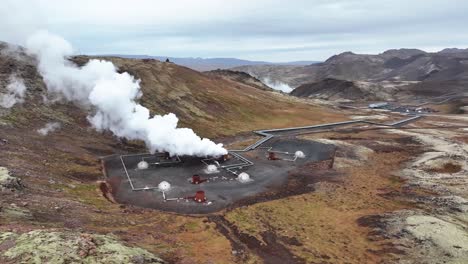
x,y
60,172
323,225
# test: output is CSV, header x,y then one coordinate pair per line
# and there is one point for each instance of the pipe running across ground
x,y
267,135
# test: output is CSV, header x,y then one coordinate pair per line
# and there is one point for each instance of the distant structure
x,y
378,105
167,60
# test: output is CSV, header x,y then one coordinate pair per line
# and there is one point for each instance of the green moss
x,y
53,114
12,213
15,116
42,246
4,174
88,194
246,221
39,111
192,226
6,236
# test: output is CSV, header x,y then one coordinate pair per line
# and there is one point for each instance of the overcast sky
x,y
270,30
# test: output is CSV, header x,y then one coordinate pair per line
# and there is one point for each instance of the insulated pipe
x,y
307,127
405,121
268,136
267,133
143,155
126,172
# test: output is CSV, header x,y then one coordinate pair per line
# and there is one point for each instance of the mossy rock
x,y
8,182
45,246
12,212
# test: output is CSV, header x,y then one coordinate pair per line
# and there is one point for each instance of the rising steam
x,y
113,96
48,128
15,92
274,84
277,85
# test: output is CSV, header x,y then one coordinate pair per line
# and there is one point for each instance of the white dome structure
x,y
211,169
142,165
164,186
243,177
299,154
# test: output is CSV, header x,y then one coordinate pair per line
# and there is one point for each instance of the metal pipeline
x,y
267,134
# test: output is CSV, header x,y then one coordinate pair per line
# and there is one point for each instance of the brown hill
x,y
211,105
240,77
59,171
330,89
390,75
398,65
363,91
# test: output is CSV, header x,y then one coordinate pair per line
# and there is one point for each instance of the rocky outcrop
x,y
328,88
8,182
341,90
399,65
240,77
429,71
46,246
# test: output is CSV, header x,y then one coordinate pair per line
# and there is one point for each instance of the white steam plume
x,y
113,96
15,92
277,85
49,127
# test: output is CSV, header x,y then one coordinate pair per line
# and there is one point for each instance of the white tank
x,y
142,165
299,154
243,177
211,169
164,186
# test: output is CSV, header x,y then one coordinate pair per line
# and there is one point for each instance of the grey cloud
x,y
262,29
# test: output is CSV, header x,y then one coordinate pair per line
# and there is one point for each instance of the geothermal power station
x,y
197,185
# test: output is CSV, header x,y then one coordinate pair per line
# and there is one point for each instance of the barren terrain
x,y
393,195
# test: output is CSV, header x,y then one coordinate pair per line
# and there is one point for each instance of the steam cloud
x,y
113,97
15,92
49,127
277,85
274,84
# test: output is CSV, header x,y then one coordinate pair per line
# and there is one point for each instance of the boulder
x,y
8,182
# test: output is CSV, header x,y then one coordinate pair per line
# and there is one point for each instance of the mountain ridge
x,y
208,64
394,64
390,75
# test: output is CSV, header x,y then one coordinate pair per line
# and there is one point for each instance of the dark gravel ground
x,y
268,176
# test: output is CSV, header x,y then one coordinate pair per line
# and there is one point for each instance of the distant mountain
x,y
327,88
397,65
454,50
364,91
342,90
391,75
208,64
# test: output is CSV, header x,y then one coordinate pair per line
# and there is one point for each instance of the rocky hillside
x,y
342,90
209,64
199,98
402,65
384,70
48,190
292,75
240,77
332,89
